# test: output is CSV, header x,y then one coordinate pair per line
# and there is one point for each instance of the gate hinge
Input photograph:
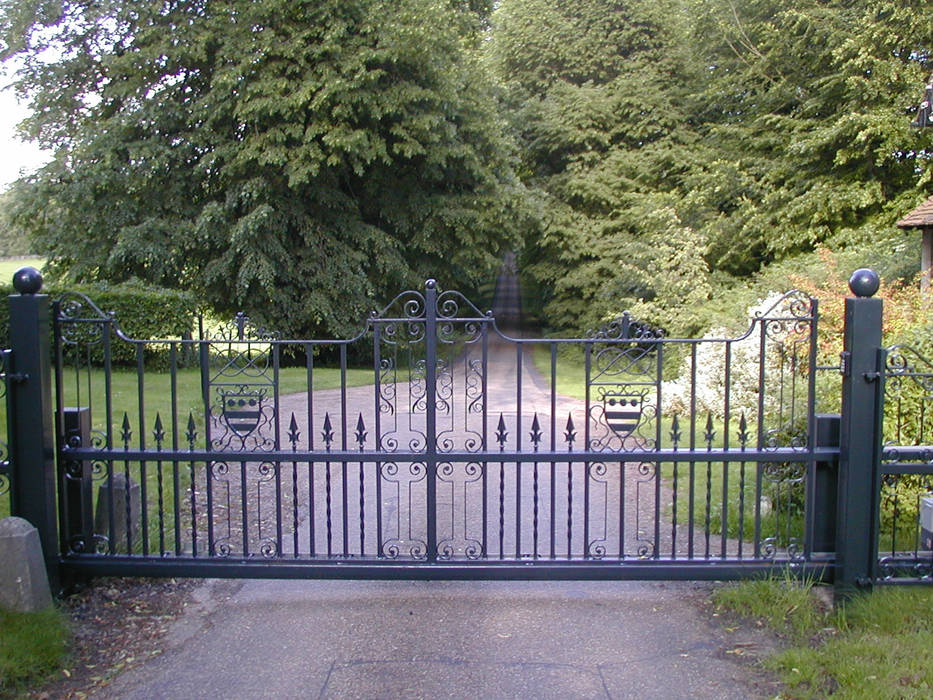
x,y
16,377
871,376
844,366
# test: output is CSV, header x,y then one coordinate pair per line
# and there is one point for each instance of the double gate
x,y
440,443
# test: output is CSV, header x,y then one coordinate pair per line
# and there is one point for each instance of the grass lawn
x,y
33,646
875,647
9,266
157,393
89,389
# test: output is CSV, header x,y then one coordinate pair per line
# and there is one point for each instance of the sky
x,y
14,154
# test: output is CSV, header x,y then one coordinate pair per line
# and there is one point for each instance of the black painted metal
x,y
860,441
457,459
6,468
31,437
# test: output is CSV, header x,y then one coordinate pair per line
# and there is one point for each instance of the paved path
x,y
328,639
416,639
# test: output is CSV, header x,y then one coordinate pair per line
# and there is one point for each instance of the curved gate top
x,y
438,442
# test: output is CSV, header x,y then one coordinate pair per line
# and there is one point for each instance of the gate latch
x,y
844,369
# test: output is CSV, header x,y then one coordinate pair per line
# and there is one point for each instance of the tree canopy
x,y
301,158
298,159
732,134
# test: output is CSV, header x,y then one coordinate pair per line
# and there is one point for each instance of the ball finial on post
x,y
864,282
27,280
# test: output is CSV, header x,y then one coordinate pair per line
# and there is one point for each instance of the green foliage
x,y
596,90
11,244
141,311
296,160
765,128
32,647
875,648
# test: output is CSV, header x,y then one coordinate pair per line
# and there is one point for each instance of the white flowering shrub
x,y
785,349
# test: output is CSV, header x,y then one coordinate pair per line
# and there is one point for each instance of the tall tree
x,y
807,106
598,90
299,159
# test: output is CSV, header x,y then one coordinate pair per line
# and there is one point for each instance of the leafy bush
x,y
140,311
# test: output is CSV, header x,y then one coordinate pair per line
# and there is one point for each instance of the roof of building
x,y
921,217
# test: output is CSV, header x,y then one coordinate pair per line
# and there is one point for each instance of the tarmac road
x,y
410,639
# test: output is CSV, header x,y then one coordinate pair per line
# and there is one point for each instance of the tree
x,y
807,105
301,160
598,90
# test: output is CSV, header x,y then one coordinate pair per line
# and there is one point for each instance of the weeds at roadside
x,y
876,647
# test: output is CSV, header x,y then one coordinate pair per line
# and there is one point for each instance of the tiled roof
x,y
921,217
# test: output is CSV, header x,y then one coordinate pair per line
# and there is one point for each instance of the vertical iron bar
x,y
691,495
143,500
760,441
309,369
658,376
345,486
485,387
204,350
812,471
176,486
553,511
277,428
724,517
587,366
377,393
430,340
518,448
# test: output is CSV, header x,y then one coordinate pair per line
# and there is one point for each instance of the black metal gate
x,y
438,443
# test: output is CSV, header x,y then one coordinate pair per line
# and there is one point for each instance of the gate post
x,y
860,439
32,441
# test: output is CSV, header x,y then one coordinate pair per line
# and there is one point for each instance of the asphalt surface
x,y
362,639
436,639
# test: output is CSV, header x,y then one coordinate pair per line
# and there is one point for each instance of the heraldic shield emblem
x,y
242,410
622,412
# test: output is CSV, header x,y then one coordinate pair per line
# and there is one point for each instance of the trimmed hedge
x,y
141,311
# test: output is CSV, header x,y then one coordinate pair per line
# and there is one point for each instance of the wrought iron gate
x,y
437,444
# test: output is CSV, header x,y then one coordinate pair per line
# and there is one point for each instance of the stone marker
x,y
24,583
102,512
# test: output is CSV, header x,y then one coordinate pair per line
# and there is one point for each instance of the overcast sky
x,y
14,154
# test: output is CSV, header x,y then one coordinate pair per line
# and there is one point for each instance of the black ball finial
x,y
430,284
864,282
27,280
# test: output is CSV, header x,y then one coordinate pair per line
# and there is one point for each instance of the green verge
x,y
33,646
876,647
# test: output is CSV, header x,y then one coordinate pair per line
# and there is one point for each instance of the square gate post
x,y
32,440
860,438
822,491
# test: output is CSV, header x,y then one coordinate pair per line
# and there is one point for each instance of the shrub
x,y
140,311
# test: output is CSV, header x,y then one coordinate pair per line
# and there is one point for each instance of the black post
x,y
77,480
32,439
860,439
822,491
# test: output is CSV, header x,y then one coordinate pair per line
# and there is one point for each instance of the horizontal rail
x,y
635,570
821,454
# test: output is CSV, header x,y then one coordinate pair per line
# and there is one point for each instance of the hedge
x,y
141,311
